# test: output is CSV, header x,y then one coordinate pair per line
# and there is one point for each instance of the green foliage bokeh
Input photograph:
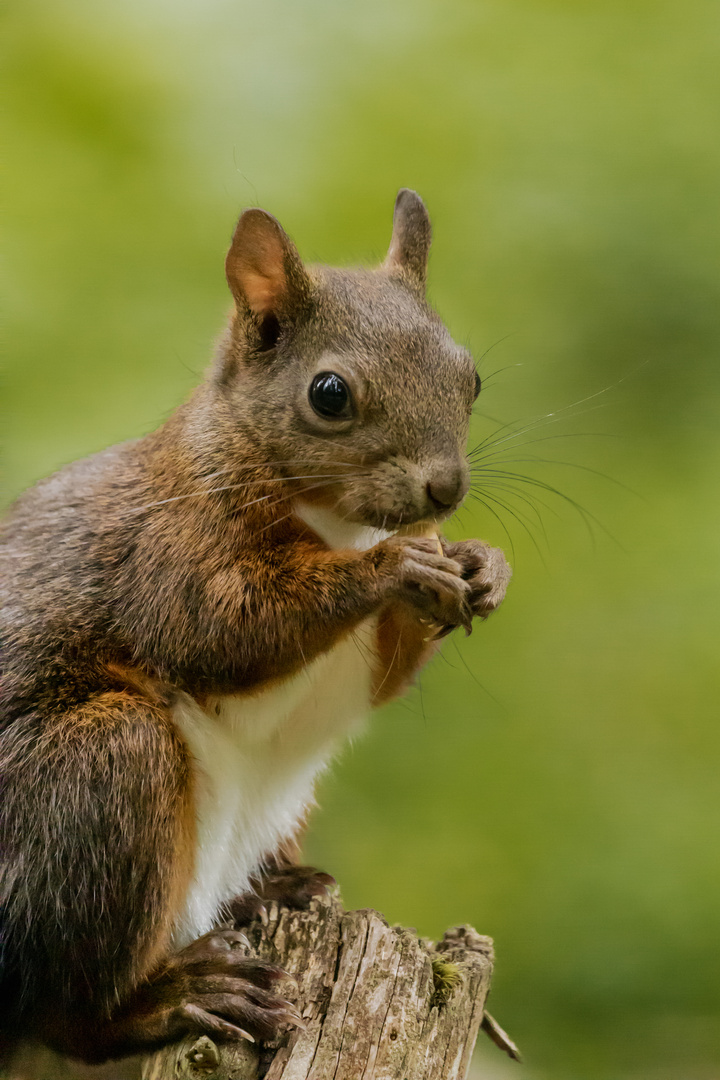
x,y
554,780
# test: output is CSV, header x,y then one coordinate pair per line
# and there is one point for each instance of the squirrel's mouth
x,y
369,505
393,521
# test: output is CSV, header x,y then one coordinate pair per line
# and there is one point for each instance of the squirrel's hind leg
x,y
99,833
96,842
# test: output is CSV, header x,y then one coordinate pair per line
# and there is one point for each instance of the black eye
x,y
478,384
330,396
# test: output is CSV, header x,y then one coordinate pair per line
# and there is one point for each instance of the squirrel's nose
x,y
447,488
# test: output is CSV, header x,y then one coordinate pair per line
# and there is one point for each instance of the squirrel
x,y
194,621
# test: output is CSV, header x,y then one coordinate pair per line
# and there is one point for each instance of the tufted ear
x,y
408,253
263,269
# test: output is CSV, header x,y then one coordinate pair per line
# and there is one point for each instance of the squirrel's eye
x,y
478,384
330,396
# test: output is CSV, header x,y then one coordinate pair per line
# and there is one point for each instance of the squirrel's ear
x,y
410,244
263,269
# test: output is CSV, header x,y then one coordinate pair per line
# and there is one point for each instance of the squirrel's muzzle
x,y
447,487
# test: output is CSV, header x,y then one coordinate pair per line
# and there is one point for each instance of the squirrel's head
x,y
346,380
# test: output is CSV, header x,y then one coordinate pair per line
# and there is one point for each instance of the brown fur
x,y
405,644
176,563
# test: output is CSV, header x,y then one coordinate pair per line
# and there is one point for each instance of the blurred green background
x,y
554,781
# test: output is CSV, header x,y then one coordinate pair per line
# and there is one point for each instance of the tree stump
x,y
377,1003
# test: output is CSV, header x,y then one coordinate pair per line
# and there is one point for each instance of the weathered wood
x,y
377,1002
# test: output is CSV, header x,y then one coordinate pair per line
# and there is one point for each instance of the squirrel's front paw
x,y
432,583
485,570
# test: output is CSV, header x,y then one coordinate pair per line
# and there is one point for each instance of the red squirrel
x,y
194,621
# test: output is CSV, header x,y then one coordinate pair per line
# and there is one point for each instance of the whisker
x,y
553,417
525,497
478,456
485,416
511,489
390,667
276,502
472,674
478,498
573,435
586,514
308,476
494,345
557,413
268,464
498,371
566,464
284,498
542,421
422,699
519,519
245,484
196,494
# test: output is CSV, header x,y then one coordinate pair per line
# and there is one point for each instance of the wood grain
x,y
378,1003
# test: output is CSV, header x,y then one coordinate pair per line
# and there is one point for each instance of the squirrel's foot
x,y
485,570
212,987
289,886
295,886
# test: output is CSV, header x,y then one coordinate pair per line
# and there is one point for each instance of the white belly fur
x,y
257,757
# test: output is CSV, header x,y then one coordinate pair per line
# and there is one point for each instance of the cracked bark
x,y
378,1003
